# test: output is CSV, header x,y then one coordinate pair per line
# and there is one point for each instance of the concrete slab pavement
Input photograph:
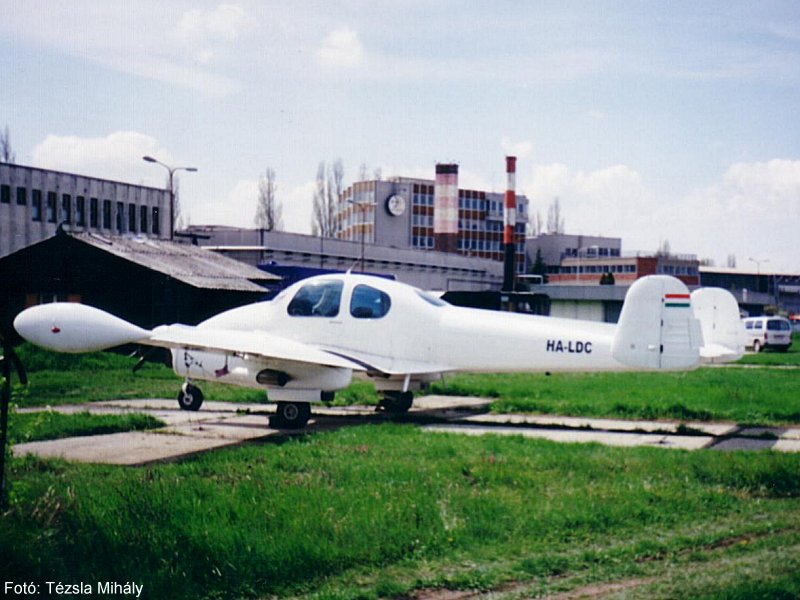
x,y
607,438
220,424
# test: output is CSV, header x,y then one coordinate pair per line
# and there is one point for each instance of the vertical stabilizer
x,y
657,328
723,331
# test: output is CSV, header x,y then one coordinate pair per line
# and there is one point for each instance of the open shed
x,y
145,281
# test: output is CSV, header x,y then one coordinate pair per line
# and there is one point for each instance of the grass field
x,y
770,357
763,396
380,511
49,425
742,395
385,511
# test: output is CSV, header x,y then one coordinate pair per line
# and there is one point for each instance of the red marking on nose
x,y
55,329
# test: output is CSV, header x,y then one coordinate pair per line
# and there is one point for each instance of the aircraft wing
x,y
246,343
385,366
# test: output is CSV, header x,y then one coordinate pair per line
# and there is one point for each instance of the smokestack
x,y
510,223
445,209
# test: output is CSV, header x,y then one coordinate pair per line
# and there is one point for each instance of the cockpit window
x,y
318,299
369,303
431,299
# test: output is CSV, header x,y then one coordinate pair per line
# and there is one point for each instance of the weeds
x,y
280,519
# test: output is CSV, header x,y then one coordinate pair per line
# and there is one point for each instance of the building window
x,y
156,221
36,204
52,200
80,211
106,214
22,196
5,194
94,217
66,208
132,218
143,219
120,217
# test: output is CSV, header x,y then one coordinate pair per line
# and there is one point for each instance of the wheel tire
x,y
292,415
190,397
756,346
397,402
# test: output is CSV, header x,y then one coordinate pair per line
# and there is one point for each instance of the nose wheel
x,y
190,397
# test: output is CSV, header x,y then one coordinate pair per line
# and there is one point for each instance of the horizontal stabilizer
x,y
74,328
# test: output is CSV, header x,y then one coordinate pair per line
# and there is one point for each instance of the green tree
x,y
539,266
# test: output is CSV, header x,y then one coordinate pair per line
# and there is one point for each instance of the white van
x,y
768,332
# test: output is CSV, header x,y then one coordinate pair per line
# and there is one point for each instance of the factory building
x,y
34,202
434,215
584,260
428,270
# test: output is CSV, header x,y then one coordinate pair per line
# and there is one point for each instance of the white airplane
x,y
308,342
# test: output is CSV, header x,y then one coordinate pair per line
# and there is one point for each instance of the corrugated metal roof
x,y
190,264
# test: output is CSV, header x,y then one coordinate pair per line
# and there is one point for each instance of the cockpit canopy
x,y
317,299
322,298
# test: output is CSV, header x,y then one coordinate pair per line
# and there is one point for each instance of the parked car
x,y
768,332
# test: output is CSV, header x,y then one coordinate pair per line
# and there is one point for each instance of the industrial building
x,y
428,270
34,202
584,260
427,214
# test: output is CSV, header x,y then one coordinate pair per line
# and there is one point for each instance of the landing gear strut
x,y
291,415
397,402
190,397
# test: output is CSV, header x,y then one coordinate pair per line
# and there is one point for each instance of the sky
x,y
651,121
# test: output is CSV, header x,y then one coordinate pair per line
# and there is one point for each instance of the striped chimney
x,y
445,208
509,223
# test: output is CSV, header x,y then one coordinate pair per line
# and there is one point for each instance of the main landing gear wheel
x,y
190,397
397,402
291,415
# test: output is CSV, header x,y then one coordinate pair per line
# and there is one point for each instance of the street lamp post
x,y
171,171
360,206
758,271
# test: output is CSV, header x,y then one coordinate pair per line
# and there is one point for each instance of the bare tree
x,y
7,154
330,184
269,212
663,249
555,222
731,261
535,223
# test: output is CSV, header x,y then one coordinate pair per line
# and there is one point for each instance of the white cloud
x,y
341,48
203,31
238,207
117,156
225,22
521,149
753,211
140,38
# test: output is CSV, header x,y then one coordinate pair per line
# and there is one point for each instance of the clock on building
x,y
396,205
